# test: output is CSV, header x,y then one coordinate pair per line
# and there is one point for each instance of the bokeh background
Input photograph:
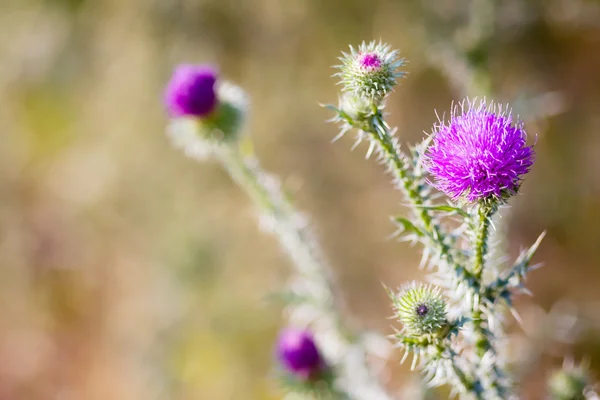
x,y
128,271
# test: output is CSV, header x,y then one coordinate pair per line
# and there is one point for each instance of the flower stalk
x,y
295,237
392,155
483,214
288,225
400,166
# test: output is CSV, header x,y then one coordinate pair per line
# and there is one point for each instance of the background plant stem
x,y
295,237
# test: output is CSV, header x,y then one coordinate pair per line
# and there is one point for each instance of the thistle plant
x,y
452,326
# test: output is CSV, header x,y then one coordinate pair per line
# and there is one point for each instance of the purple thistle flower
x,y
479,153
191,91
298,353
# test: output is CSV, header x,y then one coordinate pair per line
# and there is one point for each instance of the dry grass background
x,y
130,272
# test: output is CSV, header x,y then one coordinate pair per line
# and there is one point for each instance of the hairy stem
x,y
393,156
483,337
482,226
296,238
288,225
482,231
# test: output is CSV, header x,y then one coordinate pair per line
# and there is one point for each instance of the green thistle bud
x,y
421,309
201,137
569,382
371,71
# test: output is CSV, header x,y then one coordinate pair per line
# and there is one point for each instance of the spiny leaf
x,y
407,225
531,252
447,208
515,276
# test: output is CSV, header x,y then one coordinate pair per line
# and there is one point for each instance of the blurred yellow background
x,y
128,271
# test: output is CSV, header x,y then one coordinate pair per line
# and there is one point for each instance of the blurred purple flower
x,y
191,91
298,353
479,153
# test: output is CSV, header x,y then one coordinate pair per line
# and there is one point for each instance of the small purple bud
x,y
191,91
422,310
370,61
298,353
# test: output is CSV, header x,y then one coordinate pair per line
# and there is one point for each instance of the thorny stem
x,y
393,157
299,243
292,231
482,226
469,384
380,133
483,343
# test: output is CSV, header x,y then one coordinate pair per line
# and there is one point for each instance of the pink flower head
x,y
480,153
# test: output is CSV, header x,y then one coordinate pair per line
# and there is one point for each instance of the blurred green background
x,y
128,271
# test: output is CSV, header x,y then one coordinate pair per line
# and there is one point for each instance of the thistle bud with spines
x,y
421,308
205,112
571,382
371,71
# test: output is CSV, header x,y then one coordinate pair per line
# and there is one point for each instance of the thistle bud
x,y
205,112
191,91
421,309
371,71
569,383
298,353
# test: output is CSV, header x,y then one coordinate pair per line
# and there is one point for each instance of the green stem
x,y
482,231
394,158
299,243
469,384
483,343
482,226
294,235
